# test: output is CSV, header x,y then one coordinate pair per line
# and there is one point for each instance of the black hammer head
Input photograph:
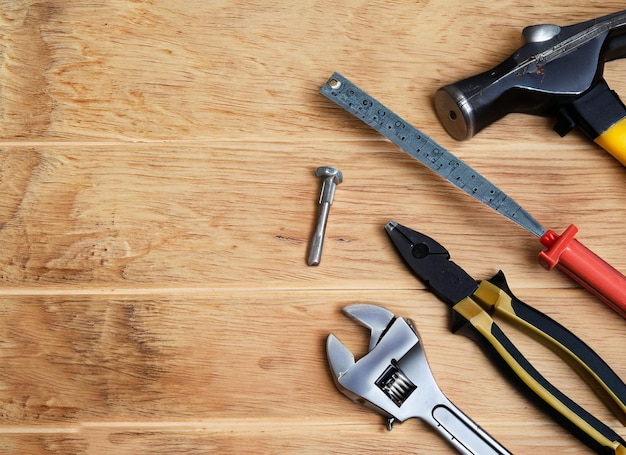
x,y
555,68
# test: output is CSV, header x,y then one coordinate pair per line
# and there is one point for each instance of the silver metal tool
x,y
332,177
394,379
421,147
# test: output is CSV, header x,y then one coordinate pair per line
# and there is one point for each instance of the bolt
x,y
332,177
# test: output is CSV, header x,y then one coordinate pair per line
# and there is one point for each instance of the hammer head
x,y
549,74
330,172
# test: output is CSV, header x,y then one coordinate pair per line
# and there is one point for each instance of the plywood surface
x,y
158,193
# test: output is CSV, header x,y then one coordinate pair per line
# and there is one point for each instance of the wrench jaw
x,y
385,378
340,358
375,318
341,361
354,381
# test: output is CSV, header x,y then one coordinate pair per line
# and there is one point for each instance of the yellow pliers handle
x,y
493,297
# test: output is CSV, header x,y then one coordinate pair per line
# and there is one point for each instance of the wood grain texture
x,y
158,194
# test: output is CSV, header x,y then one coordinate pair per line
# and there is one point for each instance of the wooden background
x,y
157,195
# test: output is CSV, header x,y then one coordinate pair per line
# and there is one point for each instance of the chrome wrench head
x,y
386,377
394,379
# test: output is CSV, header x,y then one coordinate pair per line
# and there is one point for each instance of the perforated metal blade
x,y
348,96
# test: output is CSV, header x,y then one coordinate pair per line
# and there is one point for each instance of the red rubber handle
x,y
585,267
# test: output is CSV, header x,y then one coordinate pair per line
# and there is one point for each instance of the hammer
x,y
558,72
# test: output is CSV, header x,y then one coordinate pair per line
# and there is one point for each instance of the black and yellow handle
x,y
581,423
601,115
495,296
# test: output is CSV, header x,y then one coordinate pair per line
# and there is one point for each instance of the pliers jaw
x,y
431,263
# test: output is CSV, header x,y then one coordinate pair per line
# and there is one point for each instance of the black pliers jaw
x,y
430,261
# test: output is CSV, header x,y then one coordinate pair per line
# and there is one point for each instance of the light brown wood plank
x,y
129,70
116,357
220,215
356,439
278,439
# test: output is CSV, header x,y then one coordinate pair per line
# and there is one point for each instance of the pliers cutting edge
x,y
473,305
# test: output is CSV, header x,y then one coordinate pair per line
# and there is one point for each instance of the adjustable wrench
x,y
394,379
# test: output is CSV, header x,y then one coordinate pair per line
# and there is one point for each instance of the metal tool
x,y
564,251
394,379
331,178
557,72
473,305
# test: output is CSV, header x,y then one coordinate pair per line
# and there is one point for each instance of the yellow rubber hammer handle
x,y
613,140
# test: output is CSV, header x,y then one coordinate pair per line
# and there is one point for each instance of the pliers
x,y
474,304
